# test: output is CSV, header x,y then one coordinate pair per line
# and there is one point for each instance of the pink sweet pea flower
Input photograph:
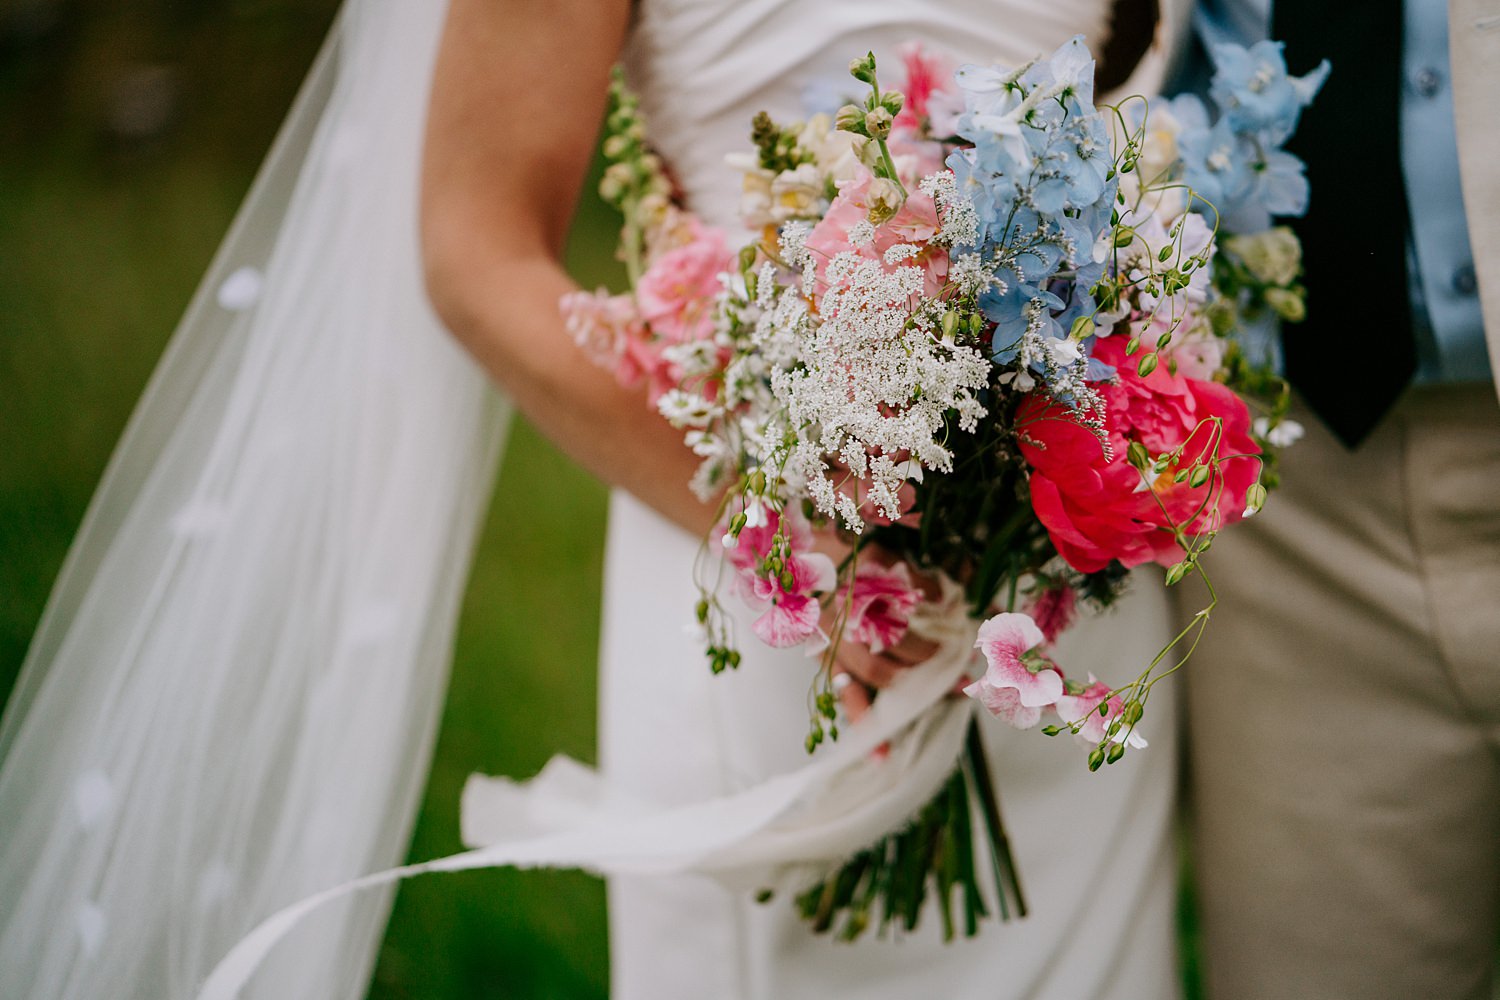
x,y
790,613
1085,706
793,612
1053,609
1018,684
880,605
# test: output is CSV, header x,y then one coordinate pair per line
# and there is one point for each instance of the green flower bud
x,y
1116,751
1255,497
1177,572
893,101
863,69
950,325
1138,456
616,146
1200,476
1148,364
850,118
878,123
1096,759
1165,253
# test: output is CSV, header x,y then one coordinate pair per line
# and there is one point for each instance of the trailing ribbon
x,y
765,836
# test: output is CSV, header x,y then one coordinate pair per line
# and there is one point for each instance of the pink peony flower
x,y
1095,509
1018,683
676,295
916,222
1085,706
880,605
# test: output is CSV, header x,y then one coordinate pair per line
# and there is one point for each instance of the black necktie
x,y
1355,353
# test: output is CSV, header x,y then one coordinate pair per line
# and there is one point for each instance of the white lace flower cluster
x,y
873,385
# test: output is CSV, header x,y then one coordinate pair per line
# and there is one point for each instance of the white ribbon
x,y
786,827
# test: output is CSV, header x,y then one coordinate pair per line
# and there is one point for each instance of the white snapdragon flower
x,y
797,193
1285,434
755,190
835,152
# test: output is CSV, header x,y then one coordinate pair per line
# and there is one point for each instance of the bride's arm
x,y
517,100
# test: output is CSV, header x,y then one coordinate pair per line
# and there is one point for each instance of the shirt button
x,y
1464,280
1427,82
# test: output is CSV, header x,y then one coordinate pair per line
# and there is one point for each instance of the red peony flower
x,y
1097,510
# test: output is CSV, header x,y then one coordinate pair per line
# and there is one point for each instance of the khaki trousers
x,y
1344,719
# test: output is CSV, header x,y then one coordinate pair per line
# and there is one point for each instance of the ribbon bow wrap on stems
x,y
778,834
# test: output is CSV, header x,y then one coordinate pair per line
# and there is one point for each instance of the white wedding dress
x,y
1095,850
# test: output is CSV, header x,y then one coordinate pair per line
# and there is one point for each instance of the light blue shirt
x,y
1446,317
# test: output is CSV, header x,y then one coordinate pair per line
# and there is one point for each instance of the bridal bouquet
x,y
987,333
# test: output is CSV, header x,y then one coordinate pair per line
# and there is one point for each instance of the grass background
x,y
128,135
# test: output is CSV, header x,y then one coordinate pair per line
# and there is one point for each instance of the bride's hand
x,y
859,671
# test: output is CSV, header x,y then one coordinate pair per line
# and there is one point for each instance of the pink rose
x,y
1096,509
916,223
1018,682
880,605
676,295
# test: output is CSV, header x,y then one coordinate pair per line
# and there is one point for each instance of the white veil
x,y
232,697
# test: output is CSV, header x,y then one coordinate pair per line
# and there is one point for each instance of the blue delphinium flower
x,y
1237,163
1256,94
1216,164
1040,176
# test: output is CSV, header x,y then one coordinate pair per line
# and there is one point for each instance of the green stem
x,y
1007,877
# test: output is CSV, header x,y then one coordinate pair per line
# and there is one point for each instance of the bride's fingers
x,y
876,671
853,695
911,650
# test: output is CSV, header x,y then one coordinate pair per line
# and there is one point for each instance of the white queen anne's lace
x,y
873,385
